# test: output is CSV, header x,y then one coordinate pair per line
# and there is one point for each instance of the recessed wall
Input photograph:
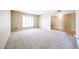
x,y
69,22
66,23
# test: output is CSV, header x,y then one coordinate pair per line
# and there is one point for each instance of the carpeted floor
x,y
40,39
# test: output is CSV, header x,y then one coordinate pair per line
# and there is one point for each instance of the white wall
x,y
45,22
77,24
4,27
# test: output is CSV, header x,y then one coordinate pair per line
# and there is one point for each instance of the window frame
x,y
28,16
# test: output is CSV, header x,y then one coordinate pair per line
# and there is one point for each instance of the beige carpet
x,y
40,39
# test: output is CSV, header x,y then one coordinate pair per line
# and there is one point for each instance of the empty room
x,y
39,29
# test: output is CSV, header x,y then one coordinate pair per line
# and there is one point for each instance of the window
x,y
28,21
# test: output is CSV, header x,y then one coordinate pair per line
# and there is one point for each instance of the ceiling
x,y
42,12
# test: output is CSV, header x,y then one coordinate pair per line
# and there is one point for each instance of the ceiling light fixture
x,y
59,13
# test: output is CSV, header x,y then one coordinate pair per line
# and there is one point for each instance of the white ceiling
x,y
41,12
